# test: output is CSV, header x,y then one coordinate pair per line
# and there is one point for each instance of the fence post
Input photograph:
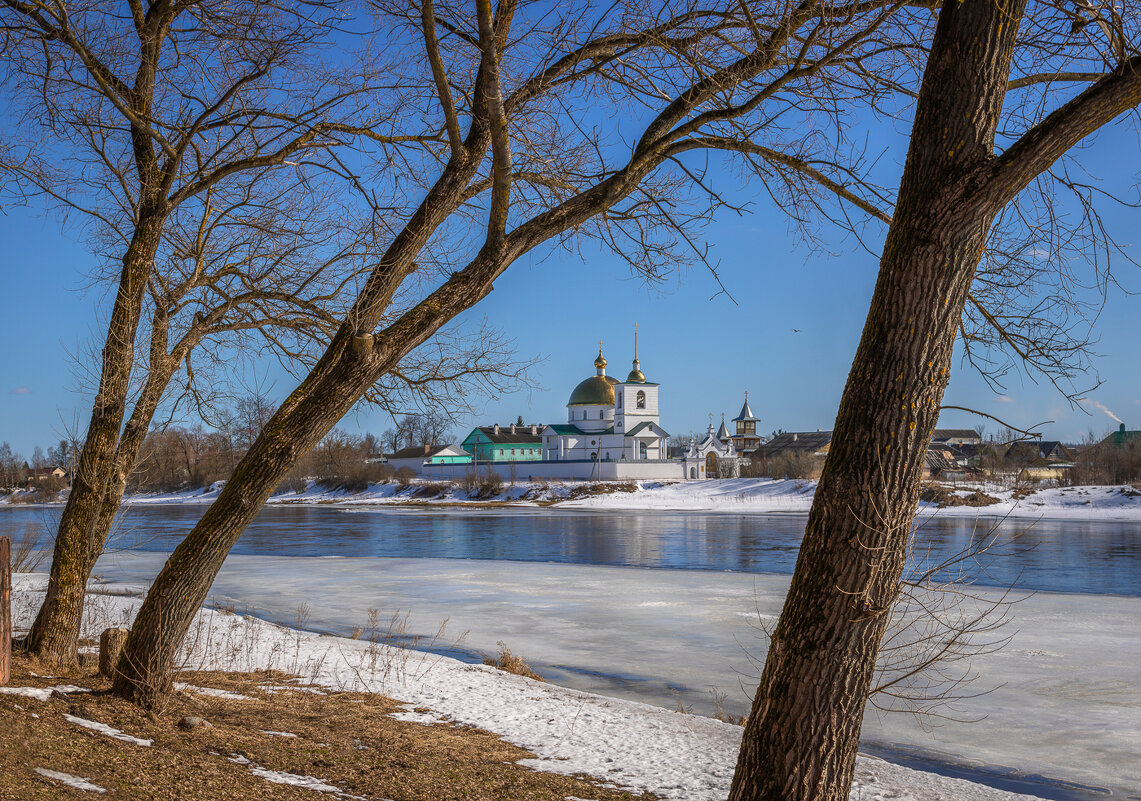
x,y
5,610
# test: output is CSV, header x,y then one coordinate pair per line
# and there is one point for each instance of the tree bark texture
x,y
804,729
5,610
55,631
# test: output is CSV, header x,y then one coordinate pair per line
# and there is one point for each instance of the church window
x,y
641,450
600,414
641,399
594,456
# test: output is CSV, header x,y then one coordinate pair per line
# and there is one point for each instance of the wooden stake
x,y
111,644
5,610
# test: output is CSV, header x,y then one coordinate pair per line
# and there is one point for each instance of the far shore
x,y
735,495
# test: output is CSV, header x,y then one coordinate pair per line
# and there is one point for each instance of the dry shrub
x,y
794,465
404,476
432,490
510,663
943,497
490,483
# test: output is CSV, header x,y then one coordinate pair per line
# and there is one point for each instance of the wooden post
x,y
111,643
5,610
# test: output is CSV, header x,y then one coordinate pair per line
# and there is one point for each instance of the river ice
x,y
1065,700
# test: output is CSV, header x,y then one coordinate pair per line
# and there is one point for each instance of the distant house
x,y
1122,438
420,455
513,443
797,443
937,464
956,436
1034,453
37,474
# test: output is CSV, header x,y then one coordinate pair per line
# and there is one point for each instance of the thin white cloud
x,y
20,391
1003,399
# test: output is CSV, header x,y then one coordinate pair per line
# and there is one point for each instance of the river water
x,y
658,606
1047,555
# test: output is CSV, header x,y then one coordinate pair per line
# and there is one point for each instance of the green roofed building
x,y
496,443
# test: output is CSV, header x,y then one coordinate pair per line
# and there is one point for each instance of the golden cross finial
x,y
635,342
711,418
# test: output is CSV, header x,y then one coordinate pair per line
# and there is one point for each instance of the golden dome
x,y
636,377
598,390
600,362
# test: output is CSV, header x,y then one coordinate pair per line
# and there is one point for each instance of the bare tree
x,y
137,123
955,197
520,170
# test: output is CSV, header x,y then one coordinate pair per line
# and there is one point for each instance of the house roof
x,y
954,433
934,460
422,451
797,442
641,426
505,436
564,428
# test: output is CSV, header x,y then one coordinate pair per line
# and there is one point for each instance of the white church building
x,y
613,432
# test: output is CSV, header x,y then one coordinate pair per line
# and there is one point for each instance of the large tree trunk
x,y
802,735
311,411
80,537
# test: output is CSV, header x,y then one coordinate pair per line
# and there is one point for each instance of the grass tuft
x,y
510,663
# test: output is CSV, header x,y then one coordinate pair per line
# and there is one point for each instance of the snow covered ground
x,y
1066,691
758,495
630,744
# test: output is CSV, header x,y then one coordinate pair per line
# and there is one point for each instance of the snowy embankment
x,y
753,495
633,745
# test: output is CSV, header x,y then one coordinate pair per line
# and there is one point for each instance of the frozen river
x,y
668,608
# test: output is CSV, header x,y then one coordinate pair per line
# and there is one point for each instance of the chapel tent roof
x,y
746,413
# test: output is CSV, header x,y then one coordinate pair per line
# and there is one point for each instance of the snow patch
x,y
110,731
42,693
210,691
75,782
295,779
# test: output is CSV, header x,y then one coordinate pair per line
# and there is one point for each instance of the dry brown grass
x,y
343,739
511,663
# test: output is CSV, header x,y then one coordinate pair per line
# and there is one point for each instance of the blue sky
x,y
788,340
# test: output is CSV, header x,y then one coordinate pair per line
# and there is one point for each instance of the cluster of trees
x,y
339,189
14,467
187,457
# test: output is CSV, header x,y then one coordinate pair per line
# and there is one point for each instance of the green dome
x,y
598,390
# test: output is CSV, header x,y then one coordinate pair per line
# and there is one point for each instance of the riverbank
x,y
755,495
634,746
